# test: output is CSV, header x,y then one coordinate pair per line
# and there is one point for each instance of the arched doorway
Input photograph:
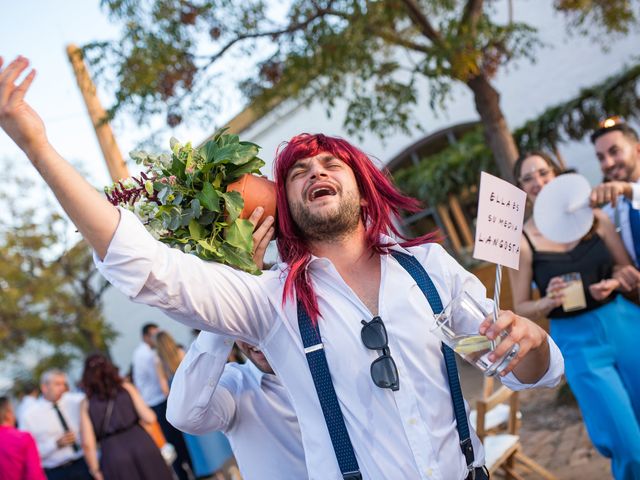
x,y
454,219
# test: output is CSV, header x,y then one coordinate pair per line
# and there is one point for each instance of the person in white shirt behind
x,y
54,422
617,148
245,401
337,213
144,370
29,395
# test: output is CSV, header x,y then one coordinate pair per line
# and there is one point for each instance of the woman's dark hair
x,y
100,377
517,168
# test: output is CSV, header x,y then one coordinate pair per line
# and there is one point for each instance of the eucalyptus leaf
x,y
164,194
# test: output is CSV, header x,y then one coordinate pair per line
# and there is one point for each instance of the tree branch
x,y
471,16
422,22
393,37
275,33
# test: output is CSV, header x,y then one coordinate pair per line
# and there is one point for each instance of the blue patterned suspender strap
x,y
421,277
314,351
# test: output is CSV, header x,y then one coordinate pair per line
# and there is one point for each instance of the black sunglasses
x,y
384,372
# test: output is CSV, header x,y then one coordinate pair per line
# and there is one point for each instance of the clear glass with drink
x,y
457,326
573,293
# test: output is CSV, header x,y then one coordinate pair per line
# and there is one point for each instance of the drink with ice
x,y
457,327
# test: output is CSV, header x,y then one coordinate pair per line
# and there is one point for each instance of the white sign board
x,y
499,225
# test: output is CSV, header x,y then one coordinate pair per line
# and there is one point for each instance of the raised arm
x,y
196,403
93,215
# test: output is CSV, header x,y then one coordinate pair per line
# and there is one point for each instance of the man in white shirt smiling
x,y
335,209
617,147
54,422
247,402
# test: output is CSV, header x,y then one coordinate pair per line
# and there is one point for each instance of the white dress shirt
x,y
145,375
620,217
42,421
405,434
252,408
24,405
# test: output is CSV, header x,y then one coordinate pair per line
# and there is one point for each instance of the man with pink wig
x,y
340,271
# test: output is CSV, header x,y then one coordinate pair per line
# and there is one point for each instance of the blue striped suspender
x,y
314,351
421,277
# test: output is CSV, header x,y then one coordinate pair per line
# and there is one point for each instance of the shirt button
x,y
428,472
212,383
412,421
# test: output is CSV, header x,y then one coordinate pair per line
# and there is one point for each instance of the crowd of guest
x,y
113,427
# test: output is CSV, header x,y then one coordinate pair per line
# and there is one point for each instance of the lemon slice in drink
x,y
472,344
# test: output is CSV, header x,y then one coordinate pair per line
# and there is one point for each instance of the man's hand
x,y
17,118
609,192
628,277
531,338
262,235
601,290
69,438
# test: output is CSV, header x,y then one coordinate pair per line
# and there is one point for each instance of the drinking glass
x,y
573,293
457,327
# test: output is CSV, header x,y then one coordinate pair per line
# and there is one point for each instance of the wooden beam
x,y
450,228
461,220
112,156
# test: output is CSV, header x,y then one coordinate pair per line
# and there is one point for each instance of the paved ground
x,y
551,433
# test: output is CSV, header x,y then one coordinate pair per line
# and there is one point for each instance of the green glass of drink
x,y
457,326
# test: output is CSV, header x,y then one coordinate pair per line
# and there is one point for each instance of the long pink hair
x,y
383,205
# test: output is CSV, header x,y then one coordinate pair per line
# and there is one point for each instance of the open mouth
x,y
321,190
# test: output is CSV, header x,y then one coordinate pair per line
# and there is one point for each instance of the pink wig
x,y
383,204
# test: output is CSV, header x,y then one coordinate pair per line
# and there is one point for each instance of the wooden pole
x,y
117,168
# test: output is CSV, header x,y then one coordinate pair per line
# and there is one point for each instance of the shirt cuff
x,y
635,195
130,255
208,342
549,380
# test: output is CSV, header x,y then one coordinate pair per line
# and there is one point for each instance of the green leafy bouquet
x,y
182,198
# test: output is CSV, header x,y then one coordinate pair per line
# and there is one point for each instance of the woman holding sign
x,y
595,328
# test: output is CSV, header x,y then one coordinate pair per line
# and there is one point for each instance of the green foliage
x,y
458,166
49,295
374,54
182,198
579,116
448,172
600,19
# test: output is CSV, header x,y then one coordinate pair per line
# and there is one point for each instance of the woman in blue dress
x,y
599,342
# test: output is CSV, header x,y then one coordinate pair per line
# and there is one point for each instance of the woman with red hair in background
x,y
111,416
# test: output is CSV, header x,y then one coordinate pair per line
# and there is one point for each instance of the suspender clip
x,y
313,348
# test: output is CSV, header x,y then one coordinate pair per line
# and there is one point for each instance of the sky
x,y
40,31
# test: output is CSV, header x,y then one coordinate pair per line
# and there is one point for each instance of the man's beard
x,y
329,225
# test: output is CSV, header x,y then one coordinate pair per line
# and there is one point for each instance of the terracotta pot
x,y
256,192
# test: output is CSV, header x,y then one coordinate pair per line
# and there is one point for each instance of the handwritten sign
x,y
499,225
